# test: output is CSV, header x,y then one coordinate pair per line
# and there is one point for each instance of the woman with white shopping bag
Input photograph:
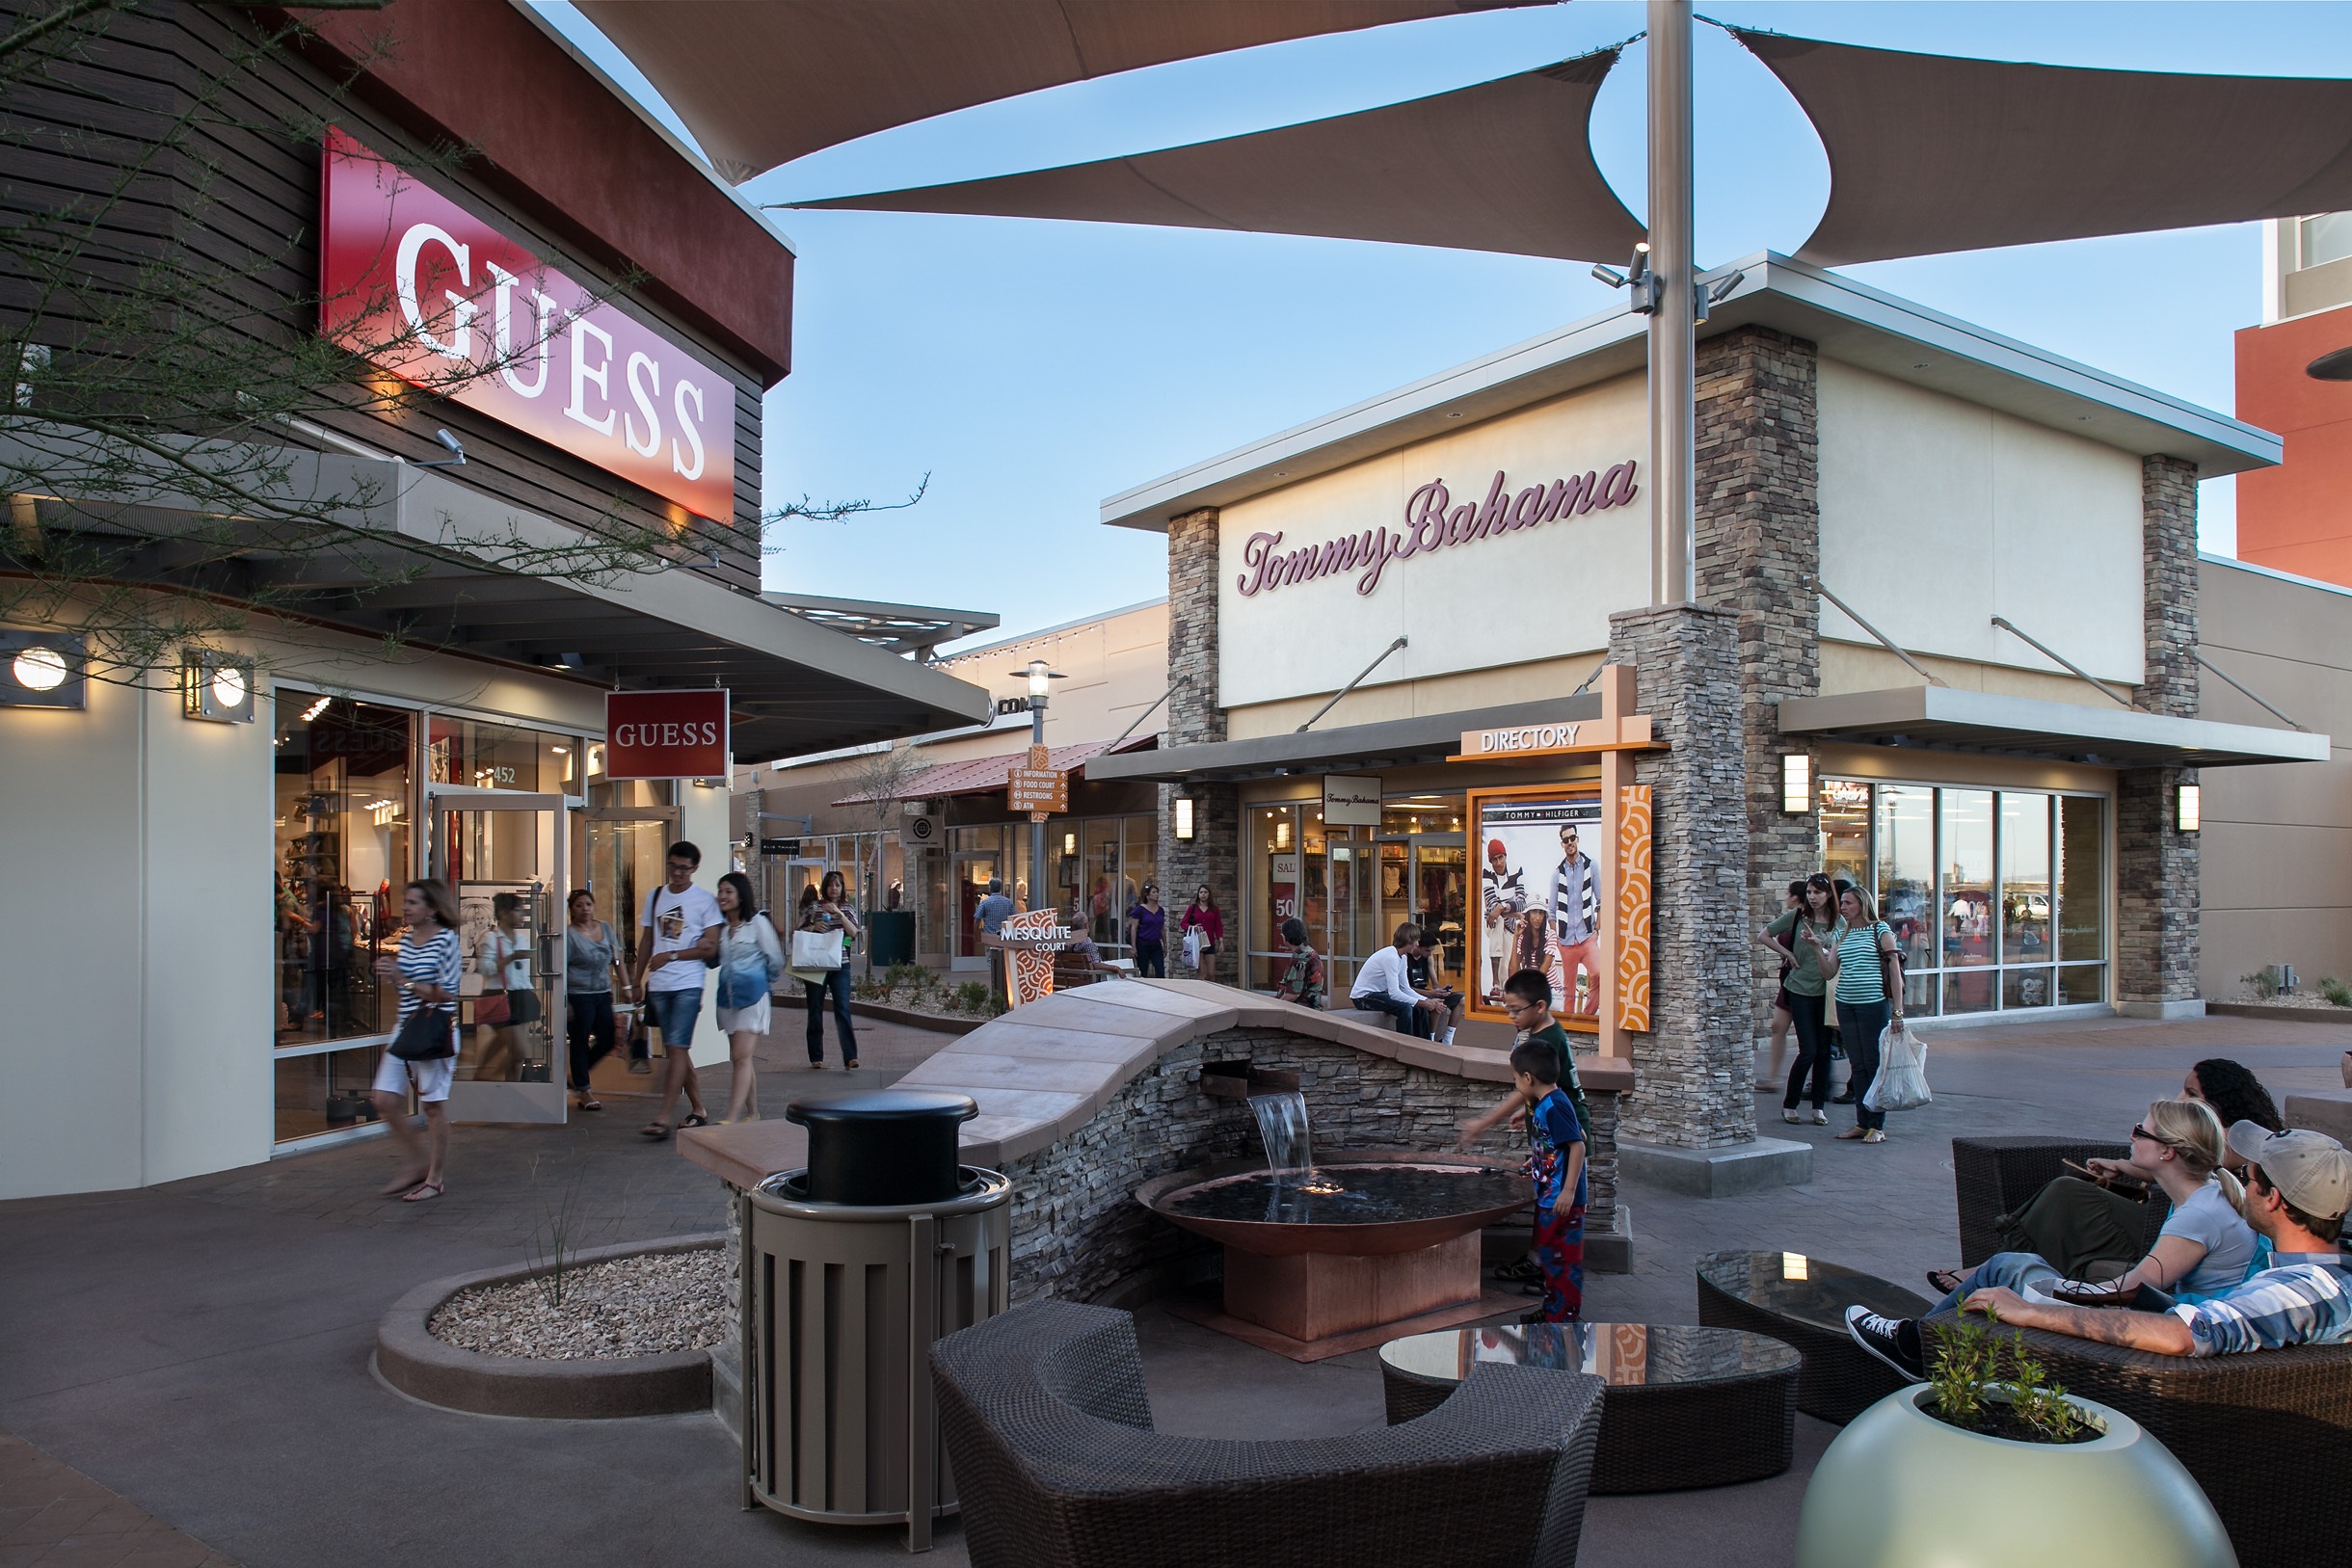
x,y
820,962
1868,971
751,961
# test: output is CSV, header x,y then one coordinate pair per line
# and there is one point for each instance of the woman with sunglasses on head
x,y
1800,938
2206,1247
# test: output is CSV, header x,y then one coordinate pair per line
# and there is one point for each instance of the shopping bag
x,y
1902,1080
1192,939
816,950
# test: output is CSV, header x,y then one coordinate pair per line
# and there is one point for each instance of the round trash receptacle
x,y
883,1146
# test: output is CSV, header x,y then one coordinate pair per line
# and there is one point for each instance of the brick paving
x,y
53,1516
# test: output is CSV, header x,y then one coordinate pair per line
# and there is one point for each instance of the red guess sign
x,y
415,283
666,734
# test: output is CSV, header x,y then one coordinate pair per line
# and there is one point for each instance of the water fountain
x,y
1323,1257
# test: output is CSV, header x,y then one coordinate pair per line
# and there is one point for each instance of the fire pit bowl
x,y
1355,1247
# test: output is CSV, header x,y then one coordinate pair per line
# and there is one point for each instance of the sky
x,y
1031,368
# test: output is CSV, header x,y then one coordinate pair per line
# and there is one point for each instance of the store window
x,y
1353,886
1997,898
487,755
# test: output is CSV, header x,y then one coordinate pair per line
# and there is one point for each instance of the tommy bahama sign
x,y
1432,522
418,284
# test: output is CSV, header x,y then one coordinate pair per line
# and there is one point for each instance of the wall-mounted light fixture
x,y
1796,783
1282,831
216,687
1184,819
44,668
2190,809
1069,843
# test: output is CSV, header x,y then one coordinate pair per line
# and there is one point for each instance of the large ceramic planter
x,y
1900,1489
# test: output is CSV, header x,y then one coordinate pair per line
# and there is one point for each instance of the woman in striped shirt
x,y
1868,975
427,968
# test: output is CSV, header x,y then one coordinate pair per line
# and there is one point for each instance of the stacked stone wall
x,y
2158,943
1214,854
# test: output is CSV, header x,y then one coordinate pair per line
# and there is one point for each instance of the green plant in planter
x,y
2336,992
972,997
1982,1381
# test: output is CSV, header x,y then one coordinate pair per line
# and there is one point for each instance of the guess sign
x,y
666,734
1432,522
413,283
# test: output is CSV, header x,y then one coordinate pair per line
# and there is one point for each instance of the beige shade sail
x,y
760,84
1503,166
1930,154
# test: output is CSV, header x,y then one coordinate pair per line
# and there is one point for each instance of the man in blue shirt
x,y
990,916
2298,1185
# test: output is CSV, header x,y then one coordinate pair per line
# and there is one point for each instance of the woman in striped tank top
x,y
1867,974
427,968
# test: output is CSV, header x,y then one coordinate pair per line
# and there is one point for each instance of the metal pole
x,y
1673,333
1036,828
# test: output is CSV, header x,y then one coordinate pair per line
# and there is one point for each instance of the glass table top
x,y
1806,1289
1628,1355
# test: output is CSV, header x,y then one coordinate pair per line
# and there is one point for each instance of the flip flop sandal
x,y
1945,1280
698,1119
655,1131
425,1193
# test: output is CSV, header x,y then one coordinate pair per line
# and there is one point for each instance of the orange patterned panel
x,y
1633,907
1028,974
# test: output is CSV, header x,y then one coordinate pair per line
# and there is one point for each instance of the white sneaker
x,y
1448,1037
1821,1118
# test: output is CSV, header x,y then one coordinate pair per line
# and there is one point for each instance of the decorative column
x,y
1214,854
2156,941
1760,555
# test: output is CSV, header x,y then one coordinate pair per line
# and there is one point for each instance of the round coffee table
x,y
1802,1301
1686,1407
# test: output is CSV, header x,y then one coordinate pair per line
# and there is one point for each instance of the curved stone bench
x,y
1087,1094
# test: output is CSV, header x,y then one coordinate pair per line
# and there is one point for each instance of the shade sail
x,y
1930,154
1503,166
760,84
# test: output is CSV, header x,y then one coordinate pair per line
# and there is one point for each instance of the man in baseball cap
x,y
2298,1186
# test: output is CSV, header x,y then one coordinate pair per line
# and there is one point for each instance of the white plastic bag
x,y
1194,938
1902,1080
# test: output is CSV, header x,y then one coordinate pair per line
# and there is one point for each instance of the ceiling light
x,y
315,710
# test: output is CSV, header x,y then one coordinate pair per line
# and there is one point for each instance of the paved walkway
x,y
53,1516
202,1349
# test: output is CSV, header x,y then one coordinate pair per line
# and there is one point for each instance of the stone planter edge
x,y
438,1372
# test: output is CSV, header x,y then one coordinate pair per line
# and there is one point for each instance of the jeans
x,y
1151,961
1806,1014
589,1024
1861,1023
835,984
2014,1269
1410,1019
674,1015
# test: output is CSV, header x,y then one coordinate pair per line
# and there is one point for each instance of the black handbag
x,y
425,1036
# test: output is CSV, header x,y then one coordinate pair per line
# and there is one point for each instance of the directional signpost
x,y
1039,788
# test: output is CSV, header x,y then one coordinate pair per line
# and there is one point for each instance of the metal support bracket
x,y
1353,684
2248,692
2055,657
1884,641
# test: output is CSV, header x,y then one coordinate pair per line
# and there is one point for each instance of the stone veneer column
x,y
1760,555
1693,1069
1215,854
2157,943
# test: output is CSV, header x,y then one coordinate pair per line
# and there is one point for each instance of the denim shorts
x,y
674,1015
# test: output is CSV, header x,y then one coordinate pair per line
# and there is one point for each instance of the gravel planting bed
x,y
650,1304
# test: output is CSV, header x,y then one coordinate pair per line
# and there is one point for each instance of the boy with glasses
x,y
1527,996
683,921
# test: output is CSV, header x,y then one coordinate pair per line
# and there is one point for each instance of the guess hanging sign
x,y
666,734
1432,522
413,283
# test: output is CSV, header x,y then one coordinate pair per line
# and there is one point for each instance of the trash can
x,y
890,936
852,1266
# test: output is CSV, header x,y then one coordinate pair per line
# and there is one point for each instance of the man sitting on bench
x,y
1381,987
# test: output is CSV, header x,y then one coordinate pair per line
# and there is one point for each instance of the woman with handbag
x,y
509,1003
823,931
750,961
423,1053
1868,975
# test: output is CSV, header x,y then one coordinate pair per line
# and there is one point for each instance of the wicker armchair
x,y
1991,1176
1049,1430
2267,1433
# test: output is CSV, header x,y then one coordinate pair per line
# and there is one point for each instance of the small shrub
x,y
2337,992
2263,983
972,997
1971,1363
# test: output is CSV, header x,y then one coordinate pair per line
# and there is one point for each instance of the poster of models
x,y
1541,896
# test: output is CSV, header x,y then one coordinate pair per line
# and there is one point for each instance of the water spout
x,y
1282,1123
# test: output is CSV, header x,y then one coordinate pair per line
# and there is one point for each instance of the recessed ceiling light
x,y
2083,418
1282,473
1455,416
1918,364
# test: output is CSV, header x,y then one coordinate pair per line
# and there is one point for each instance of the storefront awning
x,y
1941,718
991,774
1391,743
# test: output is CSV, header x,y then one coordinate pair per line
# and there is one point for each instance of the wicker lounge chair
x,y
1049,1430
2268,1434
1991,1176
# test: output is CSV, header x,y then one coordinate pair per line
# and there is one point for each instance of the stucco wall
x,y
2278,840
1937,515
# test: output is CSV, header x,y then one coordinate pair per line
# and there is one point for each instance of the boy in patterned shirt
x,y
1556,1165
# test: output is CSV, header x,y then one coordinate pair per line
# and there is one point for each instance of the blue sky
x,y
1032,368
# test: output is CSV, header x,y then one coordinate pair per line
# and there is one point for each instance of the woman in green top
x,y
1868,974
1797,939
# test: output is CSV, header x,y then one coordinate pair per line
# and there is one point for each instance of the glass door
x,y
502,854
973,869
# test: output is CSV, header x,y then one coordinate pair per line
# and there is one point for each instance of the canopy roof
x,y
986,775
1506,164
1945,718
762,85
1930,154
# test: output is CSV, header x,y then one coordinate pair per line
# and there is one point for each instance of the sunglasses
x,y
2139,1131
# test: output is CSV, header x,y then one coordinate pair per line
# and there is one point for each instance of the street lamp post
x,y
1041,677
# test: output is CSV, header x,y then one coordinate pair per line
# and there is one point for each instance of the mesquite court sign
x,y
1432,522
415,283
